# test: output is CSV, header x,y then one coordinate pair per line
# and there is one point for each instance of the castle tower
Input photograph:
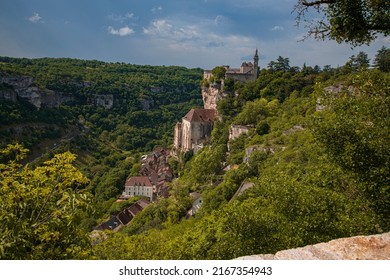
x,y
256,65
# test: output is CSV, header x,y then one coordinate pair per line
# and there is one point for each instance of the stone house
x,y
138,186
124,217
194,130
196,204
236,130
156,167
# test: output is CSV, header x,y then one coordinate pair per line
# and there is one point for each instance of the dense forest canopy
x,y
147,102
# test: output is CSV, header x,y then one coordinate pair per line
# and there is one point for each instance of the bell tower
x,y
256,65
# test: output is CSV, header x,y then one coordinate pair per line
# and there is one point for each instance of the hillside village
x,y
295,157
190,135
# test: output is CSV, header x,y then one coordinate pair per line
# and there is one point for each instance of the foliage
x,y
205,167
317,156
281,64
41,208
318,175
148,101
354,128
382,59
353,21
218,73
252,112
359,62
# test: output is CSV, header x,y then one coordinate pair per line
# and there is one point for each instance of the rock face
x,y
211,95
25,87
14,87
99,100
373,247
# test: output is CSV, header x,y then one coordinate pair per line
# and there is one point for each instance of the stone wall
x,y
178,136
241,77
236,130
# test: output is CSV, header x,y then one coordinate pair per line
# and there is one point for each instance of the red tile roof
x,y
134,209
200,115
143,203
138,181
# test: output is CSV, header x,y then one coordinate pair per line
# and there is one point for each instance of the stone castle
x,y
247,72
214,92
195,128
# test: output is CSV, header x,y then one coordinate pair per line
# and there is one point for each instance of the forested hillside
x,y
144,102
317,155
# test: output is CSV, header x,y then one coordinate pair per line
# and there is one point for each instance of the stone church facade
x,y
194,130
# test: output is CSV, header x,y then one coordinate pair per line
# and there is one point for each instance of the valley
x,y
290,157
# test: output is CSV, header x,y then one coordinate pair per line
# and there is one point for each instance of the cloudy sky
x,y
191,33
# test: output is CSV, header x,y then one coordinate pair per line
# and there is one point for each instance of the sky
x,y
190,33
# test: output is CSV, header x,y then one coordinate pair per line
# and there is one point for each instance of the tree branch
x,y
319,2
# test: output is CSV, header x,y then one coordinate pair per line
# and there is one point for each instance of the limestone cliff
x,y
211,95
373,247
26,88
13,87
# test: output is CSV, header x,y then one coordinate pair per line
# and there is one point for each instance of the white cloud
x,y
386,40
160,27
277,28
163,29
121,18
193,37
35,18
124,31
219,19
156,10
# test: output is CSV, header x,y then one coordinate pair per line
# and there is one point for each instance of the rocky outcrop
x,y
26,88
211,95
99,100
14,87
373,247
147,103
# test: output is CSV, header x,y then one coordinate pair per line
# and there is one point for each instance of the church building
x,y
194,130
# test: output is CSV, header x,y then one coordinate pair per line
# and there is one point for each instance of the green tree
x,y
354,128
382,59
281,64
205,165
219,73
252,112
41,208
353,21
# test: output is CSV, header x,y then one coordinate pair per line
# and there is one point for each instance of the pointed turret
x,y
256,65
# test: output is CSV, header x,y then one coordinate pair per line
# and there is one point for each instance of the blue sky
x,y
191,33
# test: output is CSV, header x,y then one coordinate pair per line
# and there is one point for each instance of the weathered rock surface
x,y
25,87
211,95
373,247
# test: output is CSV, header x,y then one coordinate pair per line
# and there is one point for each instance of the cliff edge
x,y
373,247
